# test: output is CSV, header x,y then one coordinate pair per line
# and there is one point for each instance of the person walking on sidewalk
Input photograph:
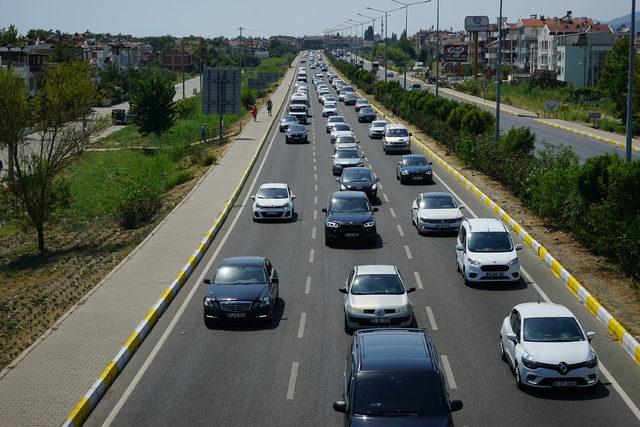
x,y
203,132
254,112
269,106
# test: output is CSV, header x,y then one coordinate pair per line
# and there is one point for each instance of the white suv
x,y
396,138
485,252
376,296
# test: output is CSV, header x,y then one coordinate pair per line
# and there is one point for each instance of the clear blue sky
x,y
268,17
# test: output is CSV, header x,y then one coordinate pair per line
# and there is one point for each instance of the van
x,y
396,138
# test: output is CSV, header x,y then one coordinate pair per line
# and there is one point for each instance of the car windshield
x,y
397,132
345,140
378,124
240,275
341,126
336,119
286,119
273,193
377,284
362,102
437,202
552,329
490,241
356,175
330,105
297,128
347,154
398,393
298,107
348,205
414,161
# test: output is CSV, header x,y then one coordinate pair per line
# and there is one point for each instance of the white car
x,y
332,121
375,295
340,129
345,141
342,94
546,347
485,252
376,128
329,109
273,201
396,137
327,98
436,211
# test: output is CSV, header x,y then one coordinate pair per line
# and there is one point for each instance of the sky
x,y
211,18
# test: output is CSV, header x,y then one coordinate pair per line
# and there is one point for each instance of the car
x,y
415,86
242,288
340,129
344,158
393,377
414,167
485,252
345,88
546,347
329,109
342,94
296,133
376,128
349,98
396,138
285,122
375,295
366,115
322,92
360,103
436,212
327,98
345,141
324,68
299,111
359,179
390,73
349,216
273,201
331,120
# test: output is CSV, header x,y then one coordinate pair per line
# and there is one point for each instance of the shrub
x,y
476,121
247,98
208,159
178,178
518,141
138,207
186,108
455,117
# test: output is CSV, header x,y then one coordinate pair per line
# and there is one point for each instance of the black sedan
x,y
359,179
286,121
414,167
366,115
242,288
296,133
349,216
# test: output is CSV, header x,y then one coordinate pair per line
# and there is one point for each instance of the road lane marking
x,y
292,380
313,233
432,319
307,286
314,152
315,177
400,230
448,372
418,280
314,160
315,168
315,187
384,196
315,214
408,252
312,254
303,321
315,200
380,186
393,213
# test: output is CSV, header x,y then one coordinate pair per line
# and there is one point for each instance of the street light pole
x,y
437,44
632,56
386,26
406,31
498,75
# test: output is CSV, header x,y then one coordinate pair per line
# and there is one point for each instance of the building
x,y
28,62
527,41
509,45
177,61
580,57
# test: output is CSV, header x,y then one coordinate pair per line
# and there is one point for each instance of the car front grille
x,y
372,311
235,306
441,221
556,367
494,268
351,227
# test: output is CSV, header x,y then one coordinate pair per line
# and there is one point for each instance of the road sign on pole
x,y
476,23
221,92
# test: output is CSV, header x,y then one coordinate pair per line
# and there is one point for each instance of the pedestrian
x,y
203,132
254,112
269,106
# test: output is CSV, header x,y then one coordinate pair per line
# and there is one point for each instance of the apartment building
x,y
581,56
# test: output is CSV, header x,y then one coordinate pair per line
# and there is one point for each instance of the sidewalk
x,y
44,383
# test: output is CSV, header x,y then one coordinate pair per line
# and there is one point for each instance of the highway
x,y
583,147
289,373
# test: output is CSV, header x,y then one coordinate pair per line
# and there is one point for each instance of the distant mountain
x,y
615,23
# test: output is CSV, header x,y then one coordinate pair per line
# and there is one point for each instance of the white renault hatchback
x,y
375,295
546,347
273,201
485,252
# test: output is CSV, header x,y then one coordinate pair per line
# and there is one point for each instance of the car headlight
x,y
404,172
360,163
265,301
352,309
208,301
592,361
332,224
343,187
369,224
474,262
374,187
403,309
259,206
513,261
529,361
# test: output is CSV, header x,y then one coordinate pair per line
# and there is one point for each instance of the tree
x,y
9,35
368,33
36,186
151,103
15,112
38,33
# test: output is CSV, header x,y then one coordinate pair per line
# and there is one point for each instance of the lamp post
x,y
373,32
362,31
386,25
437,45
632,56
406,32
498,74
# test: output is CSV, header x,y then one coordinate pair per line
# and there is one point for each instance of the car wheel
x,y
347,329
209,323
402,180
327,241
293,215
503,356
466,281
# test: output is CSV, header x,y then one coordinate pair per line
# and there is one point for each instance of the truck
x,y
299,111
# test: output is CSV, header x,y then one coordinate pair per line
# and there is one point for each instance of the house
x,y
28,62
177,61
580,56
509,45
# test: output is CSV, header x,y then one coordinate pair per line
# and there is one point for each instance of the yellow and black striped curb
x,y
609,141
628,342
91,398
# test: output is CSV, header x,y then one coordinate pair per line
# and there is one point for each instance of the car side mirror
x,y
324,210
340,406
333,157
459,247
377,179
207,281
431,164
343,290
412,289
410,134
519,247
460,206
590,336
293,197
375,209
253,197
512,337
455,405
337,179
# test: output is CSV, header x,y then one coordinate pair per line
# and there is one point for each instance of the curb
x,y
588,135
628,342
90,400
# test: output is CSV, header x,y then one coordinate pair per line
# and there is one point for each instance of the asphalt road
x,y
290,373
583,147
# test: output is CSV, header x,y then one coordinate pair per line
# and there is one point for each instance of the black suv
x,y
359,179
393,378
296,133
243,288
414,167
366,115
349,216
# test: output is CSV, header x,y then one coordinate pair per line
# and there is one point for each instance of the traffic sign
x,y
221,90
551,105
476,23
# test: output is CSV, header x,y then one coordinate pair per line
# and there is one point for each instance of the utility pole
x,y
498,74
632,56
406,32
182,66
386,41
437,45
241,49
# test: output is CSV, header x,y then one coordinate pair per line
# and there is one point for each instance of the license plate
x,y
494,274
564,383
416,178
351,234
441,226
236,315
379,320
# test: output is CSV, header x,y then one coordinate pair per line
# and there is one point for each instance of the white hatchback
x,y
436,211
273,201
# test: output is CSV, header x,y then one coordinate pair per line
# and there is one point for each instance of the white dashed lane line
x,y
408,252
400,230
303,322
315,187
312,254
292,381
307,286
432,319
315,200
448,372
313,233
418,280
315,214
393,213
386,199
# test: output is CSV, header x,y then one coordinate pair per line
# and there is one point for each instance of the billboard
x,y
221,91
476,23
455,53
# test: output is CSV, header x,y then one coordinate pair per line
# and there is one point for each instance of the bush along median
x,y
597,201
